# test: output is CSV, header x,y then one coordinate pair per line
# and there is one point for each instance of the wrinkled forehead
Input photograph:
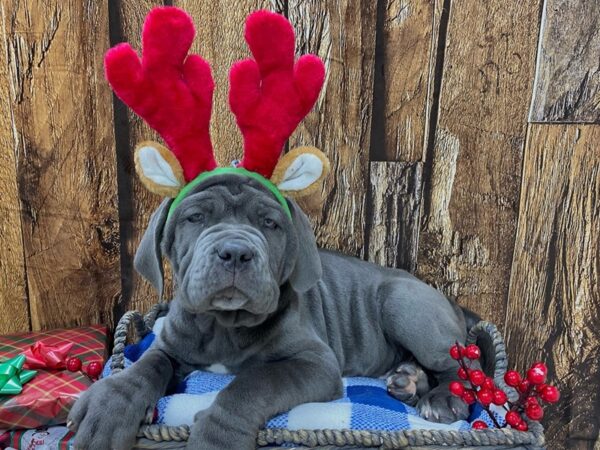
x,y
233,191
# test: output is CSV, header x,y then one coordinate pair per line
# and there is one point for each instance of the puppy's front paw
x,y
108,415
215,430
439,405
407,383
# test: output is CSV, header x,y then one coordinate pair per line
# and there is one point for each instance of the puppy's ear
x,y
307,270
148,257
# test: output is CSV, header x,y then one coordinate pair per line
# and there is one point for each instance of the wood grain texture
x,y
567,79
395,202
473,166
136,203
404,58
220,40
13,293
554,302
62,124
343,34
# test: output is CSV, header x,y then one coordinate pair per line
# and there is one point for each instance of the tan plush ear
x,y
300,172
158,169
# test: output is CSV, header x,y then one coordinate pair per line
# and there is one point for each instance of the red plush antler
x,y
171,90
269,94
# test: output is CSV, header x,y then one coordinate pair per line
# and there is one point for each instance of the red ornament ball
x,y
485,397
489,384
472,351
541,366
477,377
455,352
499,397
468,397
457,388
531,400
551,394
523,386
536,375
522,426
73,364
479,425
513,418
540,387
94,369
534,412
462,374
512,378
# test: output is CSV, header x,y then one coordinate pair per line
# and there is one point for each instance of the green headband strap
x,y
224,170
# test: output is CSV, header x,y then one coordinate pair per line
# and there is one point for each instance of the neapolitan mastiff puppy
x,y
256,296
253,292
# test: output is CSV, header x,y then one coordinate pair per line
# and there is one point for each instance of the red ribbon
x,y
42,356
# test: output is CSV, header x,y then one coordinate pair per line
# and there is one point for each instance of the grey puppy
x,y
254,294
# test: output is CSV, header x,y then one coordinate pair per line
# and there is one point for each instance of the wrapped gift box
x,y
47,398
59,438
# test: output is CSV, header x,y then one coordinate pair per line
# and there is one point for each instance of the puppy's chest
x,y
221,359
218,368
216,352
197,344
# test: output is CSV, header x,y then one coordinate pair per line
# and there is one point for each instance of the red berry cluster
x,y
483,389
531,389
93,369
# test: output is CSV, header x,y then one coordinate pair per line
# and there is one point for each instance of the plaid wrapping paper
x,y
47,398
59,438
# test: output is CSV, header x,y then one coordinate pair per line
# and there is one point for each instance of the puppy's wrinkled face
x,y
231,247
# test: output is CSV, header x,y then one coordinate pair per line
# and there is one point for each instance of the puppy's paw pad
x,y
407,383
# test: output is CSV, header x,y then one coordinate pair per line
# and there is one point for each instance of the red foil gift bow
x,y
42,356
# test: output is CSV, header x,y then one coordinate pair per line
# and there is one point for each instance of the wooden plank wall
x,y
59,145
341,123
553,308
463,139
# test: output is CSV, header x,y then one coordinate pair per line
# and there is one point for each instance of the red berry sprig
x,y
482,387
73,364
532,389
483,390
479,425
93,369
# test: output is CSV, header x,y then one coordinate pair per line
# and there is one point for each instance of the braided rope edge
x,y
340,438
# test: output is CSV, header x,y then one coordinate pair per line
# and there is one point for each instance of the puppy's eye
x,y
195,218
269,223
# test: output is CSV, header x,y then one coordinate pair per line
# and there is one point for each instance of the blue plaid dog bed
x,y
365,405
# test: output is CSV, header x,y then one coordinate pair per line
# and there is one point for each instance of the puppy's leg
x,y
261,392
421,320
408,383
108,415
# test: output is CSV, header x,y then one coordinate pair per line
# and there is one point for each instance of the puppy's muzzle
x,y
235,255
229,276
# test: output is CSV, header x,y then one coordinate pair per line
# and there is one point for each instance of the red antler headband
x,y
172,91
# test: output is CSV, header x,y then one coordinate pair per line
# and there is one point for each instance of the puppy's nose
x,y
235,254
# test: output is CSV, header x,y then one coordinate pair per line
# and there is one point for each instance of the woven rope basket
x,y
133,326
